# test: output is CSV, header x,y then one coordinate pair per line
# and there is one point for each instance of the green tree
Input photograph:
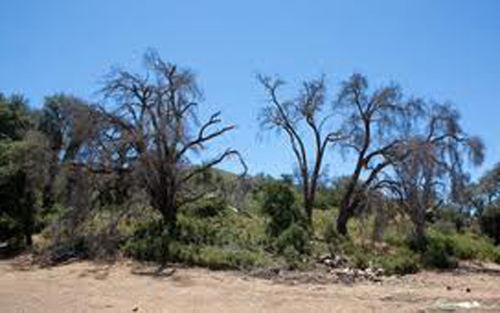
x,y
17,200
67,124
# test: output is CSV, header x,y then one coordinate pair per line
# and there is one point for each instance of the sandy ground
x,y
125,287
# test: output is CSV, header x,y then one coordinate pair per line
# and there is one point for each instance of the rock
x,y
135,309
379,271
452,306
467,289
333,261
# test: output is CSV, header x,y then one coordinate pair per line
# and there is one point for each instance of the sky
x,y
445,50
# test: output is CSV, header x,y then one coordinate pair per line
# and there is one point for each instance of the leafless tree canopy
x,y
406,146
376,125
154,128
434,165
293,117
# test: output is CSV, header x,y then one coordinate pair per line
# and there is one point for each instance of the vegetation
x,y
117,177
288,116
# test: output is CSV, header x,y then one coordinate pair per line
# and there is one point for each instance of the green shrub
x,y
200,231
468,246
323,222
402,261
360,256
439,252
452,220
10,229
213,257
295,237
444,250
219,258
208,207
335,241
228,241
288,233
490,222
360,259
279,204
150,242
232,229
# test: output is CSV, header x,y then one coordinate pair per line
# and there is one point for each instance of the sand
x,y
129,287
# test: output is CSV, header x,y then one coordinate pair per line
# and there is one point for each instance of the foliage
x,y
393,259
17,199
229,241
400,261
439,252
295,237
469,246
445,250
289,232
209,206
280,205
98,180
490,222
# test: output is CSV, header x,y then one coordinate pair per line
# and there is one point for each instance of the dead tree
x,y
433,166
291,116
156,130
375,125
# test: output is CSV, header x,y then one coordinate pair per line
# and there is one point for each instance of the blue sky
x,y
440,49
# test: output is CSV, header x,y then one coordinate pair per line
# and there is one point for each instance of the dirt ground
x,y
128,287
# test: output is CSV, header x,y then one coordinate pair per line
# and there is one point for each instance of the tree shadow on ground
x,y
155,272
100,272
478,268
9,253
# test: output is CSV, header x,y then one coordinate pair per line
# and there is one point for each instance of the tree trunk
x,y
71,182
170,218
349,201
48,188
342,220
166,203
26,206
347,207
380,223
308,207
28,239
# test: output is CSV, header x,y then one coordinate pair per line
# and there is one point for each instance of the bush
x,y
150,242
228,241
402,261
334,239
295,237
444,250
289,234
10,231
472,246
157,246
193,230
439,252
279,205
70,248
218,258
452,220
209,207
323,222
490,222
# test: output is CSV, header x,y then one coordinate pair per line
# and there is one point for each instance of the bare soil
x,y
130,287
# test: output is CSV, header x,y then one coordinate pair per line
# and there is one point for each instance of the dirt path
x,y
87,287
